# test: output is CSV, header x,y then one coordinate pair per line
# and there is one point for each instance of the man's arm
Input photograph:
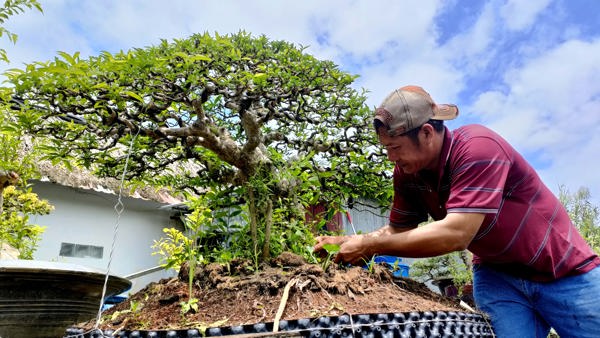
x,y
339,240
453,233
386,230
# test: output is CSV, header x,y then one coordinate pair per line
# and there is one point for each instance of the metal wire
x,y
119,208
353,326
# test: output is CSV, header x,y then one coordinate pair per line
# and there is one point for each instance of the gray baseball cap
x,y
410,107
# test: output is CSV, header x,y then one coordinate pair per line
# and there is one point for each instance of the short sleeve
x,y
479,171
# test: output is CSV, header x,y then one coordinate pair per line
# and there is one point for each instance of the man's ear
x,y
427,130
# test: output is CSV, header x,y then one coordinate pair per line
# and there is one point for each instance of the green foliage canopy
x,y
244,115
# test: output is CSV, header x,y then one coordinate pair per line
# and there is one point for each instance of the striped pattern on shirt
x,y
526,230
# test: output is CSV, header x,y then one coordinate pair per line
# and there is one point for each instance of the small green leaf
x,y
199,58
259,78
181,55
101,85
331,248
67,57
134,95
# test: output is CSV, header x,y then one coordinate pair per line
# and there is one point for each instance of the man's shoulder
x,y
478,135
474,130
475,142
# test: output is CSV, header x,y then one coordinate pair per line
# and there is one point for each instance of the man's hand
x,y
356,251
352,248
351,253
322,240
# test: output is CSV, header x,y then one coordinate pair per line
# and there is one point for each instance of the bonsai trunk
x,y
260,207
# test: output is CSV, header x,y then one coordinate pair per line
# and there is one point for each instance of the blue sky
x,y
529,69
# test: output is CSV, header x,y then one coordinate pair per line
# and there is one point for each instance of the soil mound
x,y
234,294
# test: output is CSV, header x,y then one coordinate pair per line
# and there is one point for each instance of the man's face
x,y
410,157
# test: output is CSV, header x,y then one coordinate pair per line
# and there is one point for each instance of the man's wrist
x,y
369,244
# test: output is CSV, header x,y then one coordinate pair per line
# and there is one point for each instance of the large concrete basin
x,y
42,299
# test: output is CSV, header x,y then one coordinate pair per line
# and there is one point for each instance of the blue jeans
x,y
521,308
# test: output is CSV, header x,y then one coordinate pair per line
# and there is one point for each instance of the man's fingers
x,y
320,242
340,259
318,248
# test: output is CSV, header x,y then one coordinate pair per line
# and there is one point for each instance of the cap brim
x,y
445,112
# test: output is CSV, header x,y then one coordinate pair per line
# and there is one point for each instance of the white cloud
x,y
557,90
362,28
547,105
551,112
440,79
474,43
577,166
41,36
519,14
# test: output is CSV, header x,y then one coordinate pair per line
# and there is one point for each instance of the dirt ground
x,y
234,295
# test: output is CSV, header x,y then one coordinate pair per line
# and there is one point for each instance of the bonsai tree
x,y
267,128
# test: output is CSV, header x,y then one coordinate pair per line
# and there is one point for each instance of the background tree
x,y
17,164
17,202
260,123
583,213
455,265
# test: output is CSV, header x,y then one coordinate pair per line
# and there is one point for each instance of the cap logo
x,y
384,115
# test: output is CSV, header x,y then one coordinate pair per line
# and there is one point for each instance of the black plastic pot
x,y
408,324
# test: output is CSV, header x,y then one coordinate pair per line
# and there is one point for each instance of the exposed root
x,y
284,297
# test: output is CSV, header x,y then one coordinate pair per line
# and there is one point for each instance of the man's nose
x,y
392,155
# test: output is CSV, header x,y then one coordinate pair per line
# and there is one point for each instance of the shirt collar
x,y
445,153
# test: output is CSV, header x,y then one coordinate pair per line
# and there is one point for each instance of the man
x,y
532,269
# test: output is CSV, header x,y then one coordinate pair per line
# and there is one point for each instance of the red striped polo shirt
x,y
526,230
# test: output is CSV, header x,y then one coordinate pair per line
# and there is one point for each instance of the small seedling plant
x,y
332,250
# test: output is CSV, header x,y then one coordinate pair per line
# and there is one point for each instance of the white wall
x,y
366,217
88,217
